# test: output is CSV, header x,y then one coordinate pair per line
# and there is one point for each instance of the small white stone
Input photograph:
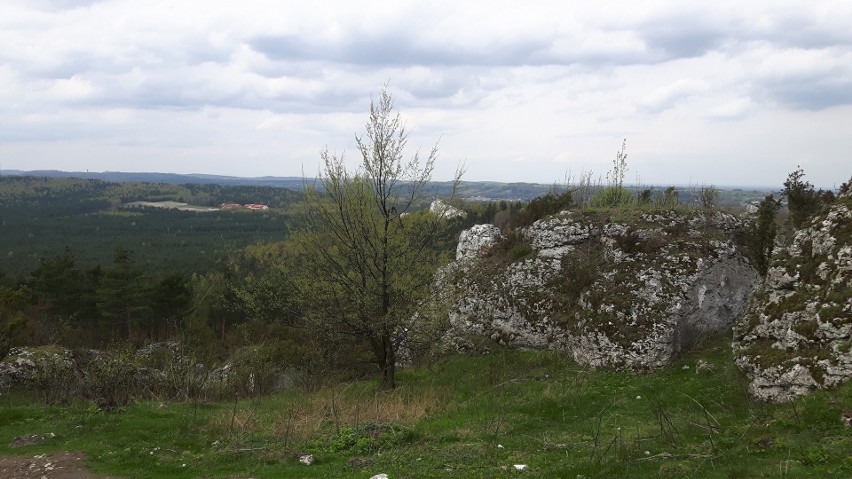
x,y
638,397
380,476
521,467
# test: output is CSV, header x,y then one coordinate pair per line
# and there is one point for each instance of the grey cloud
x,y
394,49
66,4
678,39
812,94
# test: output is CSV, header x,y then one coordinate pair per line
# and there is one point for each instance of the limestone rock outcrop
x,y
627,292
795,337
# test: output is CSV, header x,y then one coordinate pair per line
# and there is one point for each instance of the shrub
x,y
669,199
543,206
612,197
760,238
707,196
802,201
111,381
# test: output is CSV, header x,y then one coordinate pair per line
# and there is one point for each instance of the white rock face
x,y
439,208
473,240
631,294
797,334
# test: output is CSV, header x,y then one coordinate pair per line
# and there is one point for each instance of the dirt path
x,y
60,465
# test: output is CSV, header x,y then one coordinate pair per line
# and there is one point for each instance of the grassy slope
x,y
451,419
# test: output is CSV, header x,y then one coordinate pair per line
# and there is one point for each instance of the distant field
x,y
41,217
175,205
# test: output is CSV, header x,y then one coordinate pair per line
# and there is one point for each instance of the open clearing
x,y
175,205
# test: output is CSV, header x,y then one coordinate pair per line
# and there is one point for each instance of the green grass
x,y
467,417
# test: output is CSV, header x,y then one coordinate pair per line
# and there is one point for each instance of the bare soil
x,y
61,465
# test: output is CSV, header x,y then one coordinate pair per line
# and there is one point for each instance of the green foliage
x,y
365,439
42,216
120,295
170,300
261,284
542,207
481,415
669,199
512,247
367,257
707,196
12,320
802,200
760,239
612,197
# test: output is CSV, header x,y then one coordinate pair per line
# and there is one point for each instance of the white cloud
x,y
268,83
667,96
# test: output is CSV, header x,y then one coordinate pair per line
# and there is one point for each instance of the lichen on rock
x,y
618,289
795,337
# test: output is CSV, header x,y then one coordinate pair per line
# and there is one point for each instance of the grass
x,y
467,417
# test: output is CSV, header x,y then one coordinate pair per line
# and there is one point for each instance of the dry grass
x,y
314,414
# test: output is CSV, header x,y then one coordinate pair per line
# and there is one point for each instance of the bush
x,y
669,199
612,197
543,206
707,196
802,201
760,238
112,381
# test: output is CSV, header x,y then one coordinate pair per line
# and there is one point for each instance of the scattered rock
x,y
703,366
380,476
306,459
27,440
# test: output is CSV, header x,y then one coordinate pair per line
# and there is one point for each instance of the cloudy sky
x,y
723,92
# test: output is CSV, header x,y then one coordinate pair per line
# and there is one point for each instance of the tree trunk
x,y
389,366
386,358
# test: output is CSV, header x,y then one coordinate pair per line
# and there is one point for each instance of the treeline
x,y
39,217
60,302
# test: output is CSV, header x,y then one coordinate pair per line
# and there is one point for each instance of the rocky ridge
x,y
795,337
627,292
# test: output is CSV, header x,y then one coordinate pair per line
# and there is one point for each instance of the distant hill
x,y
468,190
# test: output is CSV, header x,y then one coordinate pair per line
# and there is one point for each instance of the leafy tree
x,y
761,238
368,256
802,200
121,296
262,286
170,299
59,284
12,320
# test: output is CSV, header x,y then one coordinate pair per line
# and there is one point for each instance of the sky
x,y
722,92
